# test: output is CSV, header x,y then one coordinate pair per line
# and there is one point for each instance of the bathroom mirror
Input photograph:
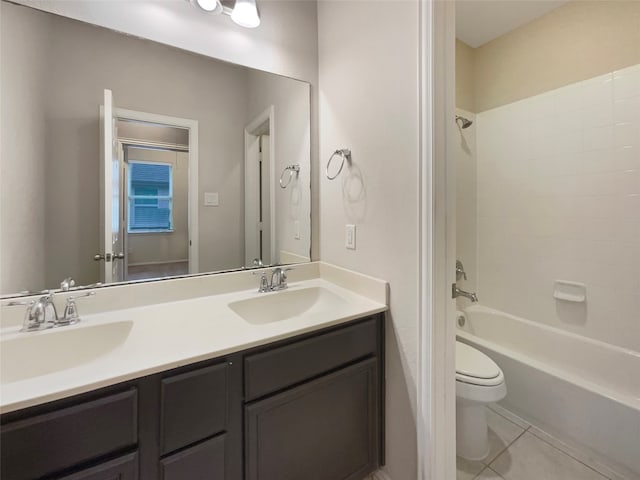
x,y
128,160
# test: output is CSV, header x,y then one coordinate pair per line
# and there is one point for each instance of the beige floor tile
x,y
529,458
581,455
468,469
501,433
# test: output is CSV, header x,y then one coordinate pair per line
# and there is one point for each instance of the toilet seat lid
x,y
475,364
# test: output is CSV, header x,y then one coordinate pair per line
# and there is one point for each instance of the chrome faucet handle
x,y
50,311
460,273
264,283
277,274
283,274
71,315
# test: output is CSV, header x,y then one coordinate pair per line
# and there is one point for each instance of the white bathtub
x,y
582,391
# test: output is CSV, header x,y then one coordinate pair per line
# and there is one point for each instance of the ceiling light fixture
x,y
245,13
209,6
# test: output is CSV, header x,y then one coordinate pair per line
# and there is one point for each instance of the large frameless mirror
x,y
127,160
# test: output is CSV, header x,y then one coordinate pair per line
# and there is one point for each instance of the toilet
x,y
479,381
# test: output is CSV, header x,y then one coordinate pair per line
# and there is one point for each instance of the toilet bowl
x,y
479,381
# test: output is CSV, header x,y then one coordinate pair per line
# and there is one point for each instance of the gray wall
x,y
22,172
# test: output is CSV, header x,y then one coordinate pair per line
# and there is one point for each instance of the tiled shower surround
x,y
558,198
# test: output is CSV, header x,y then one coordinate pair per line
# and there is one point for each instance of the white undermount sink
x,y
34,354
278,306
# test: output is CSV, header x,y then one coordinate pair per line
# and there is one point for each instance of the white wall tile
x,y
558,197
626,83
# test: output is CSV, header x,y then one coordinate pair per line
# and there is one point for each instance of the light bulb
x,y
245,14
211,6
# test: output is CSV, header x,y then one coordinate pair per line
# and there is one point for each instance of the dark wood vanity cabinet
x,y
309,407
326,429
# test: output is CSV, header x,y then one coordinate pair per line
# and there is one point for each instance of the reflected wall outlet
x,y
350,237
211,200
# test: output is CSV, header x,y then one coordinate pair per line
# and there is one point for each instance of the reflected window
x,y
150,197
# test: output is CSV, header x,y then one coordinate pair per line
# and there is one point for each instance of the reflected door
x,y
111,253
259,241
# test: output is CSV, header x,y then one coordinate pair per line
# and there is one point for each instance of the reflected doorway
x,y
155,192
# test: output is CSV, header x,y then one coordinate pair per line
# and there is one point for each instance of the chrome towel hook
x,y
345,154
292,169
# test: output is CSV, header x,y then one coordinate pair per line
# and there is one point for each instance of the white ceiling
x,y
480,21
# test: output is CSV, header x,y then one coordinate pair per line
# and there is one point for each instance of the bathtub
x,y
582,391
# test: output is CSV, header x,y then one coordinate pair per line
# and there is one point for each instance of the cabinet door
x,y
204,461
326,429
122,468
193,406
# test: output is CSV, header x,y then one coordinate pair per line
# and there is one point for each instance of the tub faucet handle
x,y
460,273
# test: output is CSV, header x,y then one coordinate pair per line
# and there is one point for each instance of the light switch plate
x,y
211,199
350,237
296,230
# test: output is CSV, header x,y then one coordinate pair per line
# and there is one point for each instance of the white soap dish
x,y
570,291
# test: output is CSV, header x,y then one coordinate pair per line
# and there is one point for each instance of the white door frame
x,y
250,132
192,126
436,365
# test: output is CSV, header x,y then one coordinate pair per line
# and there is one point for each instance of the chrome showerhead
x,y
463,122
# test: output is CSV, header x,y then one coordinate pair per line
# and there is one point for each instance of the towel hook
x,y
345,154
291,169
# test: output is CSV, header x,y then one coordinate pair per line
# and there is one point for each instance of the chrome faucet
x,y
278,280
42,313
281,276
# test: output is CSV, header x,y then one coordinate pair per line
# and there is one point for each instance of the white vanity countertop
x,y
161,336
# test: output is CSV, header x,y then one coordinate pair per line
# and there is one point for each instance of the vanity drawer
x,y
288,365
204,461
51,442
193,406
121,468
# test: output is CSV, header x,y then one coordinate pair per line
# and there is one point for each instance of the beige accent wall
x,y
466,203
577,41
465,76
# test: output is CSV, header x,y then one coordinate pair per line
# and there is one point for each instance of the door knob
x,y
118,256
98,256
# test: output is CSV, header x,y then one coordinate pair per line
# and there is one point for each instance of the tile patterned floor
x,y
519,451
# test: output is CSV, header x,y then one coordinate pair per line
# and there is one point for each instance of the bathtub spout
x,y
461,293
